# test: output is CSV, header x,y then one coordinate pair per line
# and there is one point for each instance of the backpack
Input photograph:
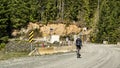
x,y
78,42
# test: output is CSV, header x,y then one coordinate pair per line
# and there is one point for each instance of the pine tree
x,y
109,23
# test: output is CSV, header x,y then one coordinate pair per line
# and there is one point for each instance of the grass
x,y
5,56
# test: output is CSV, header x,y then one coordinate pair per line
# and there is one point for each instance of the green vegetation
x,y
12,55
108,27
103,16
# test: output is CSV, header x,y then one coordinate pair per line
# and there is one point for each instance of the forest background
x,y
103,16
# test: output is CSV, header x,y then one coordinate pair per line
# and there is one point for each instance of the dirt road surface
x,y
93,56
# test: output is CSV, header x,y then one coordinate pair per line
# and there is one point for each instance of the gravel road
x,y
93,56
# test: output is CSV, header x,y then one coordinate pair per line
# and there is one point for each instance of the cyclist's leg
x,y
78,53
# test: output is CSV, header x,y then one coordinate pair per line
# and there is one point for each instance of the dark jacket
x,y
78,42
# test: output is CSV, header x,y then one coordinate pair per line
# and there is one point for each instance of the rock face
x,y
72,29
15,32
57,29
32,26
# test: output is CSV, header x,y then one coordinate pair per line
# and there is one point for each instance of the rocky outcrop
x,y
58,29
32,26
72,29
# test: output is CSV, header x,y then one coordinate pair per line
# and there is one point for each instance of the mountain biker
x,y
78,46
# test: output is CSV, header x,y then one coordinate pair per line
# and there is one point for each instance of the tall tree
x,y
109,22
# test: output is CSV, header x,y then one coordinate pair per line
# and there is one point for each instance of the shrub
x,y
2,45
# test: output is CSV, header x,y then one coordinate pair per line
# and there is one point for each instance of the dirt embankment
x,y
59,29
